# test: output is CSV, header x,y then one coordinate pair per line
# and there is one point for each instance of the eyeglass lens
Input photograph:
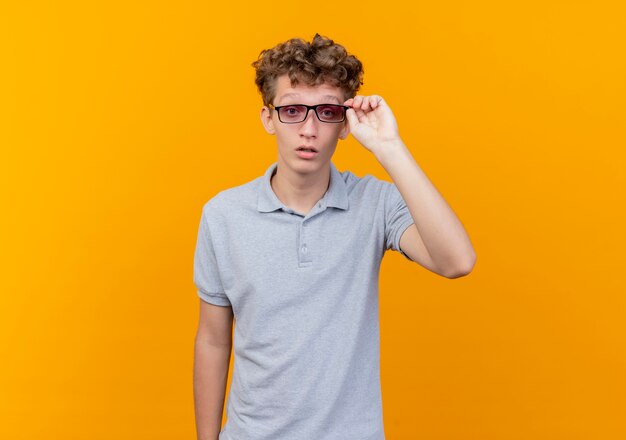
x,y
326,113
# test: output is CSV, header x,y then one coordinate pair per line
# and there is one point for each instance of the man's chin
x,y
307,166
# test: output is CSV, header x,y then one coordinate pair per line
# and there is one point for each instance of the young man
x,y
294,257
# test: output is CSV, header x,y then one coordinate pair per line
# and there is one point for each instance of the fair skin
x,y
212,351
437,240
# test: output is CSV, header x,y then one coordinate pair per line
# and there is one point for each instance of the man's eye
x,y
329,112
291,110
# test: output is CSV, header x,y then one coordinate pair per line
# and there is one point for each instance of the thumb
x,y
352,119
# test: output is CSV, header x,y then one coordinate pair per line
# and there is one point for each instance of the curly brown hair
x,y
321,61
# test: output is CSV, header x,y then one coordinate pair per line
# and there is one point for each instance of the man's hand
x,y
372,122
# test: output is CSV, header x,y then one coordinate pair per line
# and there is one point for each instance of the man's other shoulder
x,y
229,199
366,184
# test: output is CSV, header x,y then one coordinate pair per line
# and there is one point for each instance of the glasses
x,y
294,113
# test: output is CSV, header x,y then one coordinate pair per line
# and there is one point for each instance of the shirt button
x,y
319,205
304,248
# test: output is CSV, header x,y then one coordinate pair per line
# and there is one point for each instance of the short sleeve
x,y
397,218
205,269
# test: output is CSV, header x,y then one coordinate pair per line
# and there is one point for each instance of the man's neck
x,y
300,192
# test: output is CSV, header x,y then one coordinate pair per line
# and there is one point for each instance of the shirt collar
x,y
336,195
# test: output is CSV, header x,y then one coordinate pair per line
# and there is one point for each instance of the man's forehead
x,y
285,90
298,95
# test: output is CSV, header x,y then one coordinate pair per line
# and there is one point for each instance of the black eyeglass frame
x,y
309,107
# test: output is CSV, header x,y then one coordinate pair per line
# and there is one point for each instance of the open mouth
x,y
307,152
309,149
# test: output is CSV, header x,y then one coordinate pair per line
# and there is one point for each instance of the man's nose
x,y
310,124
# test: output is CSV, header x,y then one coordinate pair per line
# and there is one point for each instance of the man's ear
x,y
267,120
345,130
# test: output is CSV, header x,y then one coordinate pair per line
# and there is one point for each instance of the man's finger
x,y
352,119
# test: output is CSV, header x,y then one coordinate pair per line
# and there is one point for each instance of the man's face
x,y
312,132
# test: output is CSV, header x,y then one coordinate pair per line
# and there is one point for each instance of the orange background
x,y
120,119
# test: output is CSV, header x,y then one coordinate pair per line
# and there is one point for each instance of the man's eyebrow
x,y
288,95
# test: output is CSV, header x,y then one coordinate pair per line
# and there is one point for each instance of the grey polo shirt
x,y
304,293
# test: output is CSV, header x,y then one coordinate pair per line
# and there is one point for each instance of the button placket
x,y
303,247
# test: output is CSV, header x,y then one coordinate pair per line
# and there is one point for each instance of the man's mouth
x,y
311,149
305,152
